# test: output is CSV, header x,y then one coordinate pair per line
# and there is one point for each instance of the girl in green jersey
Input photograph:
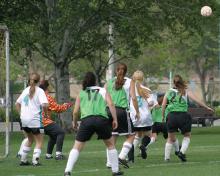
x,y
175,101
91,106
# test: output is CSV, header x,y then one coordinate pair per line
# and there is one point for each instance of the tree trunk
x,y
63,94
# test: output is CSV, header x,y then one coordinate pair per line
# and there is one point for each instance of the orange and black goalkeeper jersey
x,y
53,106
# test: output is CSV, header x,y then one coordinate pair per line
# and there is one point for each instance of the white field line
x,y
136,166
151,148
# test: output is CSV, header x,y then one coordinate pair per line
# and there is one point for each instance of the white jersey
x,y
31,109
144,110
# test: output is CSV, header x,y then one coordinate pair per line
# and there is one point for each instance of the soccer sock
x,y
73,156
108,164
152,140
36,155
125,149
145,141
176,145
113,157
24,153
22,145
168,148
185,144
136,142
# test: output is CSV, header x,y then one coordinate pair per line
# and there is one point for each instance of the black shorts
x,y
34,131
148,128
179,120
160,127
91,125
125,125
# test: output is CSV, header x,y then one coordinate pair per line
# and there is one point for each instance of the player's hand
x,y
114,124
137,116
210,109
69,104
75,125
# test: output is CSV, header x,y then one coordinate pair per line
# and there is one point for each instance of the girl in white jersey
x,y
142,126
30,105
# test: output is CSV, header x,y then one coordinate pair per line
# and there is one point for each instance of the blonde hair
x,y
34,79
138,78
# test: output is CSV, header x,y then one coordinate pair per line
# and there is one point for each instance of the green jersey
x,y
157,114
92,102
176,101
119,97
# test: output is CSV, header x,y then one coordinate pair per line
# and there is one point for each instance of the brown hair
x,y
180,84
34,79
44,84
138,78
120,73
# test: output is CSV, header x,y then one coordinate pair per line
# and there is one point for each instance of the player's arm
x,y
196,99
134,98
164,104
76,112
54,106
112,110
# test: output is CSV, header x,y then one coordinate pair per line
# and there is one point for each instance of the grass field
x,y
203,158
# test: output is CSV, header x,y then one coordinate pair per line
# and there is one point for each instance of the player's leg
x,y
73,157
38,137
26,148
113,156
169,145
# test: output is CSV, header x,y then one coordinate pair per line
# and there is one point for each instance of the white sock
x,y
22,145
176,145
113,157
152,140
108,163
36,155
73,157
136,142
24,153
125,149
168,148
185,144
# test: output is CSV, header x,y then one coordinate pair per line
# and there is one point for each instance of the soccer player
x,y
91,106
53,130
30,104
143,125
121,90
175,100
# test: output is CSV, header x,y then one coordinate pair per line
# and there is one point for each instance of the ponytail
x,y
180,84
120,72
34,79
138,78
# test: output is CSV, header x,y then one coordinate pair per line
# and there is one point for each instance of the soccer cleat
x,y
182,156
117,173
176,153
36,164
22,163
48,157
59,157
123,163
167,160
18,156
143,152
67,174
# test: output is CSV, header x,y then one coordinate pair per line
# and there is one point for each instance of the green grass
x,y
203,158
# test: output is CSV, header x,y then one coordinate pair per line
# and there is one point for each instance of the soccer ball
x,y
206,11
